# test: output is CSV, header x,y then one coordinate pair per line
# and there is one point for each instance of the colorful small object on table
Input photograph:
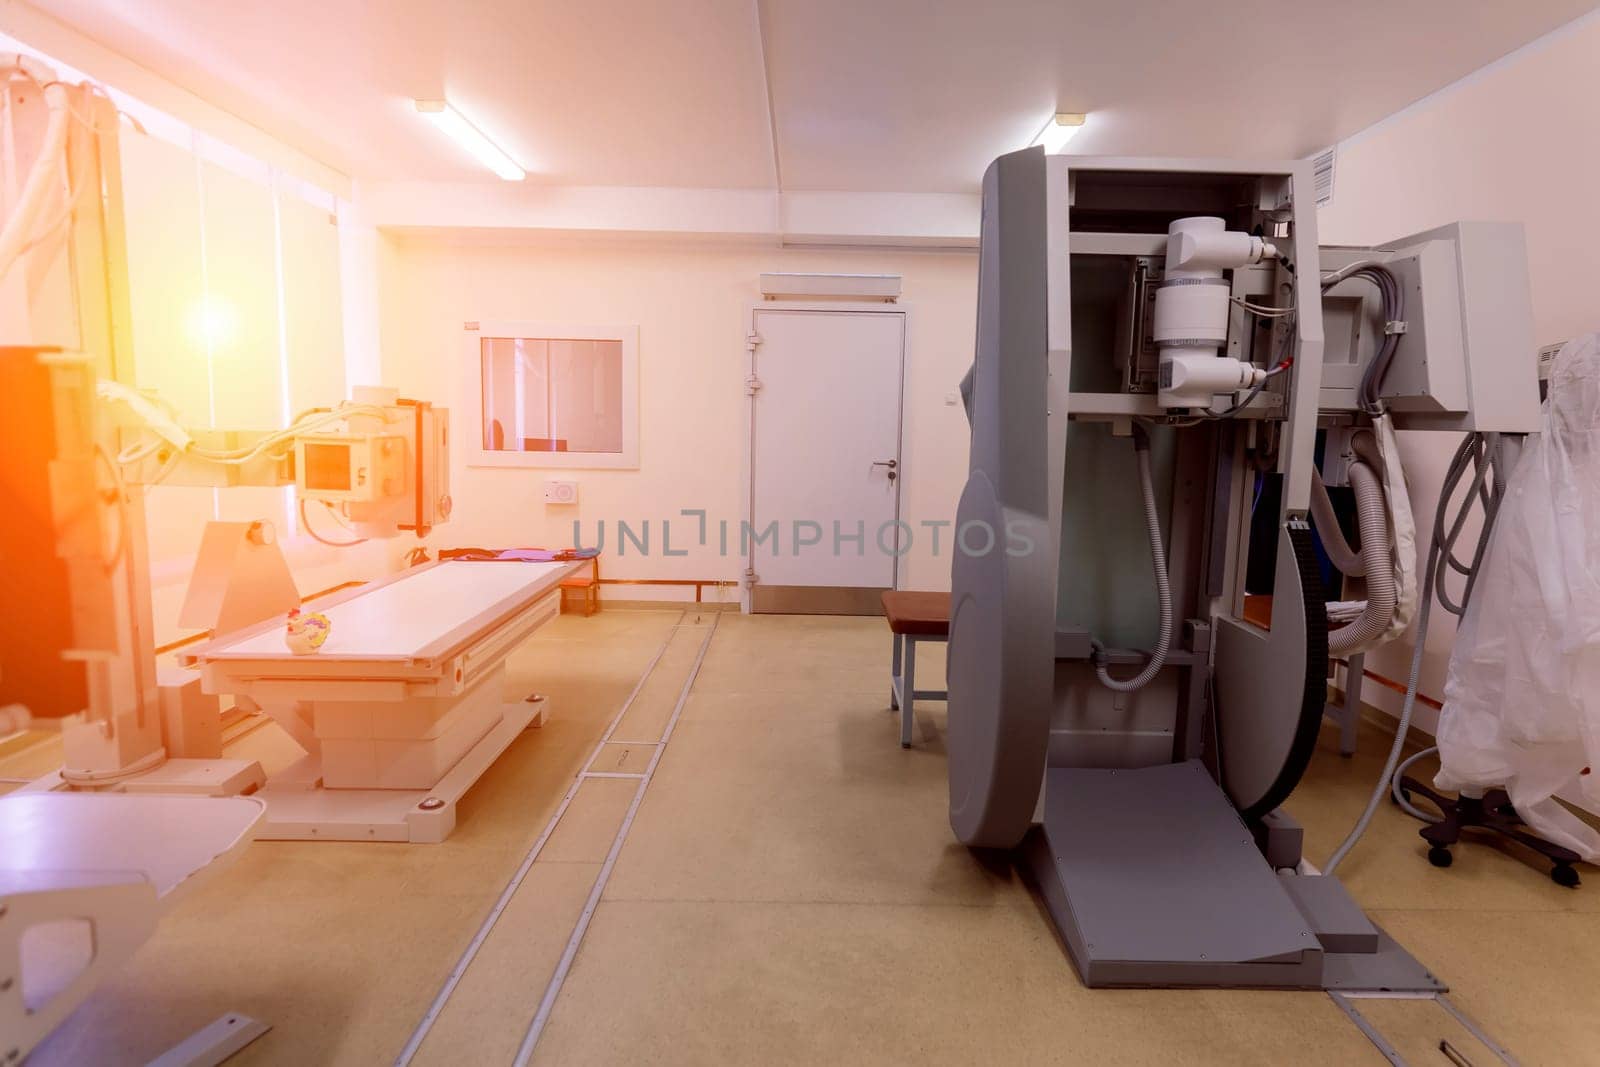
x,y
306,632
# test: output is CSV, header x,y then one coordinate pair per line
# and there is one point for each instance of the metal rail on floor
x,y
1347,1004
1364,1024
559,978
436,1008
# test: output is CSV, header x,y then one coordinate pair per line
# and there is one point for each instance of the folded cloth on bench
x,y
524,555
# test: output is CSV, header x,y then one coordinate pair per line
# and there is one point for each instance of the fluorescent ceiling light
x,y
471,138
1059,130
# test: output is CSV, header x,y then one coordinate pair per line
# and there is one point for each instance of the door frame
x,y
747,458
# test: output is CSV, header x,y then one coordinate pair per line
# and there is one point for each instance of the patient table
x,y
401,710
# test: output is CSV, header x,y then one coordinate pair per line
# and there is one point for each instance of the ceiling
x,y
865,95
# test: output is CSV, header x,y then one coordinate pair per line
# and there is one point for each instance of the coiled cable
x,y
1482,452
1158,562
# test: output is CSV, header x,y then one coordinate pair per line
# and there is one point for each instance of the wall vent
x,y
1322,166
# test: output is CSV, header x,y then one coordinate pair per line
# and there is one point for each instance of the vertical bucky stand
x,y
1145,847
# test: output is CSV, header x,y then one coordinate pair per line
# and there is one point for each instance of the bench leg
x,y
909,689
894,675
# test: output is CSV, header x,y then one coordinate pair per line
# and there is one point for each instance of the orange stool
x,y
583,589
913,617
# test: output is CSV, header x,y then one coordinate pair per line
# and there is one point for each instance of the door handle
x,y
890,463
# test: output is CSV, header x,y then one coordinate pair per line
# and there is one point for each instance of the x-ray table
x,y
401,710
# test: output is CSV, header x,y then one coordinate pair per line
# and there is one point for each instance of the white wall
x,y
1520,141
691,303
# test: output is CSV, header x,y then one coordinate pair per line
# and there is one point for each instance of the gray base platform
x,y
1154,880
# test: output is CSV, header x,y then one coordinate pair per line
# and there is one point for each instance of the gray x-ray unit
x,y
1150,820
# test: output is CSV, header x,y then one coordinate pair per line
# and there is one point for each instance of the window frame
x,y
472,394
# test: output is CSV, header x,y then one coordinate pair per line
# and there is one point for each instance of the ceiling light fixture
x,y
1059,130
468,136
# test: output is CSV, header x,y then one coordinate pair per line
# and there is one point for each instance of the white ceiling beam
x,y
608,209
912,220
947,220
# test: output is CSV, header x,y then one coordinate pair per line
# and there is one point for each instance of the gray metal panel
x,y
1280,839
1073,642
1002,606
1158,882
1497,324
1296,451
1097,727
1336,919
1429,372
1469,346
1267,719
1104,581
1391,969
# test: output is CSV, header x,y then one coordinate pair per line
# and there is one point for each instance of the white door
x,y
825,467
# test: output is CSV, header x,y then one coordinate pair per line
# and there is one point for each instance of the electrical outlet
x,y
560,492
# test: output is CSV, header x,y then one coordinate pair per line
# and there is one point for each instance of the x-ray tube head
x,y
1190,323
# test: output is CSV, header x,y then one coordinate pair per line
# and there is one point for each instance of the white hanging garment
x,y
1522,693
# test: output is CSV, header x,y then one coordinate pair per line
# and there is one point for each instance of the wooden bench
x,y
913,617
583,589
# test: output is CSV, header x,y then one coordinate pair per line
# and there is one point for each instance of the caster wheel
x,y
1441,857
1561,874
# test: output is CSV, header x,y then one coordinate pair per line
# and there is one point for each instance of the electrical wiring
x,y
1255,391
56,92
305,521
1482,452
167,468
132,770
273,441
1392,296
1214,416
1264,311
143,450
1158,562
94,89
338,516
41,184
63,219
161,420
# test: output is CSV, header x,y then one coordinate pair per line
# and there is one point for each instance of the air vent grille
x,y
1322,166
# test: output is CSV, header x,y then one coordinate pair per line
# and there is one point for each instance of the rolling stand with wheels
x,y
1492,812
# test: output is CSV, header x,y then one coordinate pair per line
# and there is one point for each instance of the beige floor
x,y
789,892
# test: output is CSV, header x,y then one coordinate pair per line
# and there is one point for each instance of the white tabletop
x,y
403,618
167,839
